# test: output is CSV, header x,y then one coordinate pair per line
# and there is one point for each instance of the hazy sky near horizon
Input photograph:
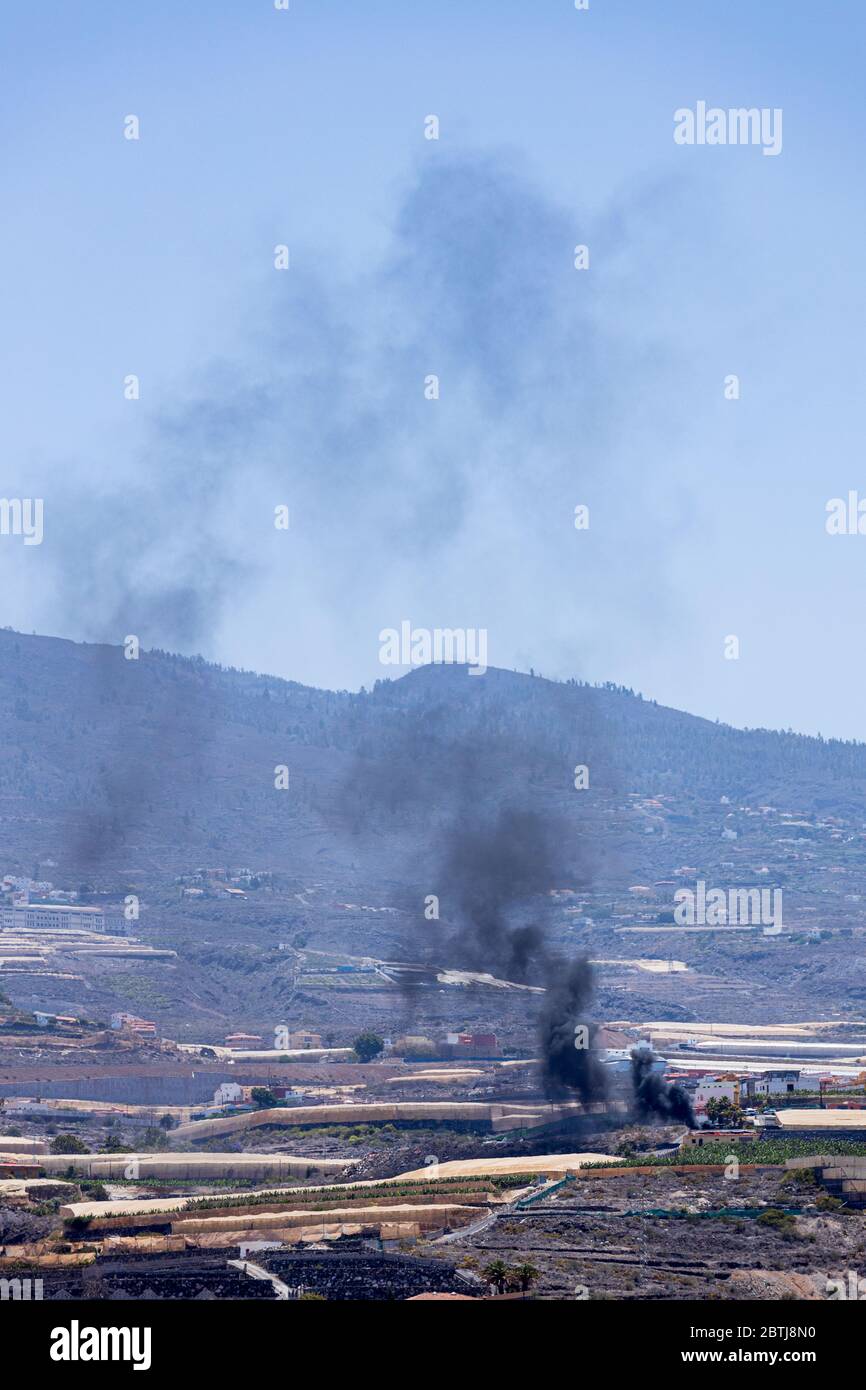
x,y
409,257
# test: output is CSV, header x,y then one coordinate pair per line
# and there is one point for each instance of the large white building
x,y
50,916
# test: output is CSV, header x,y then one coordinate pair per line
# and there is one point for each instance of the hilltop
x,y
159,762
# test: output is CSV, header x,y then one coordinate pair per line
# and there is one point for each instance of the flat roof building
x,y
42,916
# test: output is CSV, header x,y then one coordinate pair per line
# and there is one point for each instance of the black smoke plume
x,y
655,1098
568,1041
495,869
498,871
500,837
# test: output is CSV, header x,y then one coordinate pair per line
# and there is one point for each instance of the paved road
x,y
257,1272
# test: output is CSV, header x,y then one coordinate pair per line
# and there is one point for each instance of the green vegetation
x,y
799,1178
115,1144
93,1191
68,1144
321,1198
526,1275
782,1222
829,1204
752,1151
137,988
263,1097
368,1045
376,1135
505,1277
496,1273
153,1138
723,1112
77,1224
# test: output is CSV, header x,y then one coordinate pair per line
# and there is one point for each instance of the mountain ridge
x,y
185,750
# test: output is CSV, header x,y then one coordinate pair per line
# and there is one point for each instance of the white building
x,y
51,916
711,1089
778,1081
228,1093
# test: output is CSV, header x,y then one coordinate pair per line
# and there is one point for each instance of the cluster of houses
x,y
222,883
230,1095
16,886
743,1090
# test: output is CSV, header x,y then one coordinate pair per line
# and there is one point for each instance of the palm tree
x,y
497,1272
526,1275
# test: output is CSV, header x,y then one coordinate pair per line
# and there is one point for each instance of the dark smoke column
x,y
654,1098
569,1056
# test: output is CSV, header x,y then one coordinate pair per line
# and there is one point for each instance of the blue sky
x,y
453,256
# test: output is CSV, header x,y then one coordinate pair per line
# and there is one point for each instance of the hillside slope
x,y
130,775
161,762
